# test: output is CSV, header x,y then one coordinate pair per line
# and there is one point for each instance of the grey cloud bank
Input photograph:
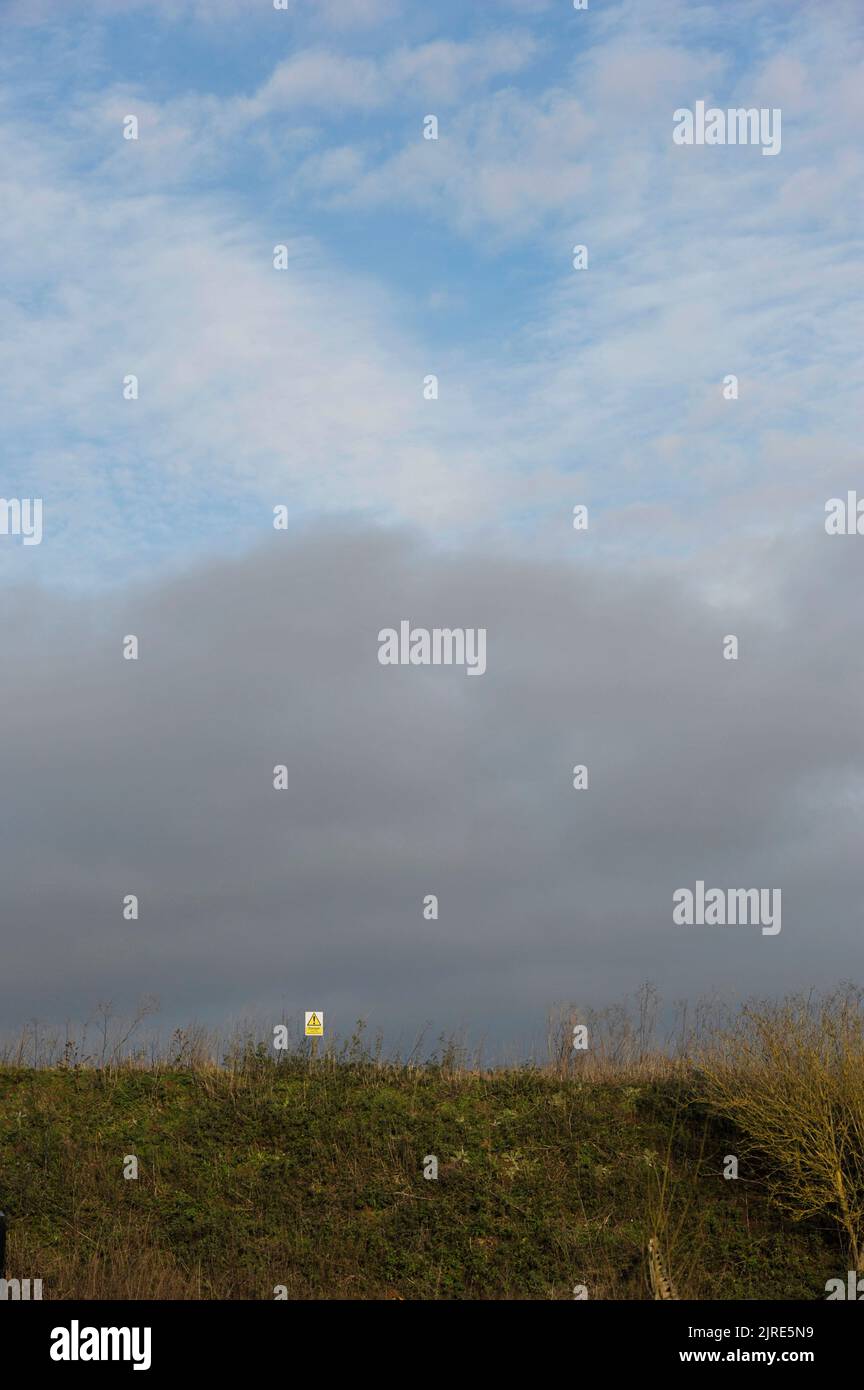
x,y
155,778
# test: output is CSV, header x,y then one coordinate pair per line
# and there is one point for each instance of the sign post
x,y
314,1029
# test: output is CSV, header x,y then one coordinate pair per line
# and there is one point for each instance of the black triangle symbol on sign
x,y
313,1022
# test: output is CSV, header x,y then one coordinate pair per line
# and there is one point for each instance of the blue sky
x,y
304,127
303,387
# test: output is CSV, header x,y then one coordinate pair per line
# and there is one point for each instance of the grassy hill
x,y
309,1175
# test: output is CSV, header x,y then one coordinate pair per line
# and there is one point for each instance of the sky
x,y
303,388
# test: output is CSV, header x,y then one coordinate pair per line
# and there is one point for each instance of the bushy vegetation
x,y
790,1076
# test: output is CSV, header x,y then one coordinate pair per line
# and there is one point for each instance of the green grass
x,y
309,1175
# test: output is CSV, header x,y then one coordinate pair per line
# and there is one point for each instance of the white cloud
x,y
442,70
501,165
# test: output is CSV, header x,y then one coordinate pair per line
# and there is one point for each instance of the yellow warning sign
x,y
315,1024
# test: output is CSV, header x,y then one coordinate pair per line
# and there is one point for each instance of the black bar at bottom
x,y
280,1337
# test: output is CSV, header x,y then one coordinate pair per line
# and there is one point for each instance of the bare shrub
x,y
790,1075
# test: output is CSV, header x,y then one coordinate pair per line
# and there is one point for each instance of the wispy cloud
x,y
258,386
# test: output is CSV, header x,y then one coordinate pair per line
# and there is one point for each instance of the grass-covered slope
x,y
310,1176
